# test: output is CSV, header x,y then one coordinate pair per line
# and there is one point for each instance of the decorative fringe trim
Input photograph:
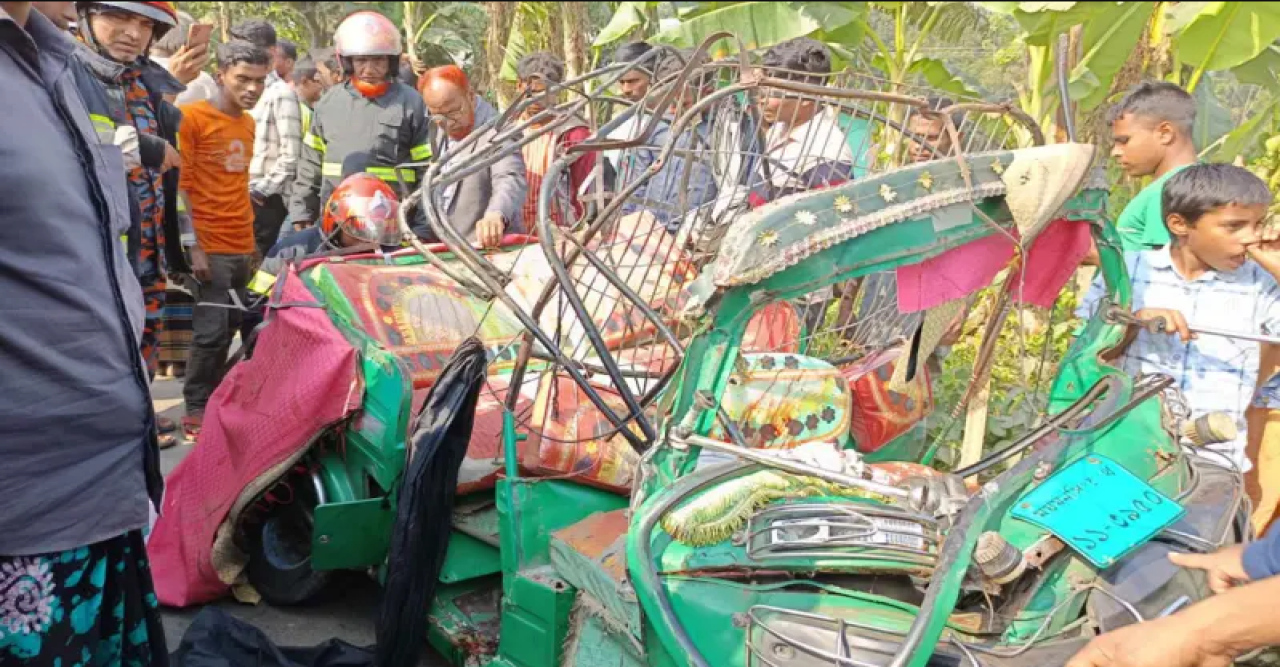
x,y
717,514
851,228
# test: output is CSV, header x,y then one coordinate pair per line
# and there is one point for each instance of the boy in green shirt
x,y
1151,132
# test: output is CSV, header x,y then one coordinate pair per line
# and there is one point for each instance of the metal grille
x,y
708,143
842,530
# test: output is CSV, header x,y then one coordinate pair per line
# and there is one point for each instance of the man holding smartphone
x,y
185,53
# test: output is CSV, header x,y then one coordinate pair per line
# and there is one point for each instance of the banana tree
x,y
912,26
629,20
758,25
439,37
1117,44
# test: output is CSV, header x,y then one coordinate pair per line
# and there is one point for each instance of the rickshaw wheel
x,y
280,551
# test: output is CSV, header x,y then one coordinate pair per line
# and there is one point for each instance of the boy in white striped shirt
x,y
277,147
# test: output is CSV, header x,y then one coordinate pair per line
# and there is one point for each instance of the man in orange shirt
x,y
216,142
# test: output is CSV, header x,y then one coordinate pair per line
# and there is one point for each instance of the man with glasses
x,y
487,204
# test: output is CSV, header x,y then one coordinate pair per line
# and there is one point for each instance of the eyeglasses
x,y
453,115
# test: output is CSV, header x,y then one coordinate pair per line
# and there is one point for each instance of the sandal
x,y
191,427
165,425
166,440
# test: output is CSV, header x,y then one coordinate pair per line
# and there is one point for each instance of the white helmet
x,y
367,33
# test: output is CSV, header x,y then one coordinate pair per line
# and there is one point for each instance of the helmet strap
x,y
332,240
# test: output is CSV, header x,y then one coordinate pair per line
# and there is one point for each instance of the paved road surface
x,y
347,613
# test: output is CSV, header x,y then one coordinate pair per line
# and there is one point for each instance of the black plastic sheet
x,y
218,639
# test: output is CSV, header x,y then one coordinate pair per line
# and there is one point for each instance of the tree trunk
x,y
315,29
501,16
1095,127
224,20
651,21
554,29
575,15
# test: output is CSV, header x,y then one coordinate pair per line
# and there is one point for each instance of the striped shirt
x,y
1214,373
277,142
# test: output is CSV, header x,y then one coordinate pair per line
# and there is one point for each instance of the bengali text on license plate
x,y
1098,508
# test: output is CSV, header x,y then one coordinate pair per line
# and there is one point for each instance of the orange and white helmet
x,y
367,33
364,207
163,15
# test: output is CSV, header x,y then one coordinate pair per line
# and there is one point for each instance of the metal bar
x,y
793,467
1114,313
1240,335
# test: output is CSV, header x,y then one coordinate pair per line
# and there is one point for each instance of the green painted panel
x,y
320,281
535,619
464,621
531,509
477,515
909,446
596,646
351,535
377,433
468,558
587,575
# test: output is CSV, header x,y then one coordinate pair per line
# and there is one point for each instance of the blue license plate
x,y
1099,509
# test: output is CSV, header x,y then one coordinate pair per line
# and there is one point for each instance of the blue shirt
x,y
667,194
1213,372
76,422
1262,558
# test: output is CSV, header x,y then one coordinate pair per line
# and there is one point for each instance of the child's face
x,y
1221,237
1139,143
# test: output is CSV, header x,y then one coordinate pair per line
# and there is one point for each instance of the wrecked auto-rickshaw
x,y
713,428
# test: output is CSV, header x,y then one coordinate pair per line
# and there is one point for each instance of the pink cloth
x,y
303,376
954,274
959,272
1053,258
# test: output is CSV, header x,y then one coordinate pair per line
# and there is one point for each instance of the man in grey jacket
x,y
77,428
485,205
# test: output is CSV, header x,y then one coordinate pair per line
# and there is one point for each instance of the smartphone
x,y
198,35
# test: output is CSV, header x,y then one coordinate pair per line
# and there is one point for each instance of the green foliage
x,y
453,32
629,17
759,24
1109,38
1263,70
1267,164
1224,35
1020,382
935,74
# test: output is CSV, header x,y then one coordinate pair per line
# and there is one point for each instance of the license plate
x,y
1098,508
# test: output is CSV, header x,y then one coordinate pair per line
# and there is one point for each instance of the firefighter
x,y
363,210
370,116
124,92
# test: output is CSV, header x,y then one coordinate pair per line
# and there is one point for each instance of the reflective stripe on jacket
x,y
98,81
350,133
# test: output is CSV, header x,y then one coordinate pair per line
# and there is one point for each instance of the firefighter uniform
x,y
376,134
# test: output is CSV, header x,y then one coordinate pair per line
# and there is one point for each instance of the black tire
x,y
280,550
